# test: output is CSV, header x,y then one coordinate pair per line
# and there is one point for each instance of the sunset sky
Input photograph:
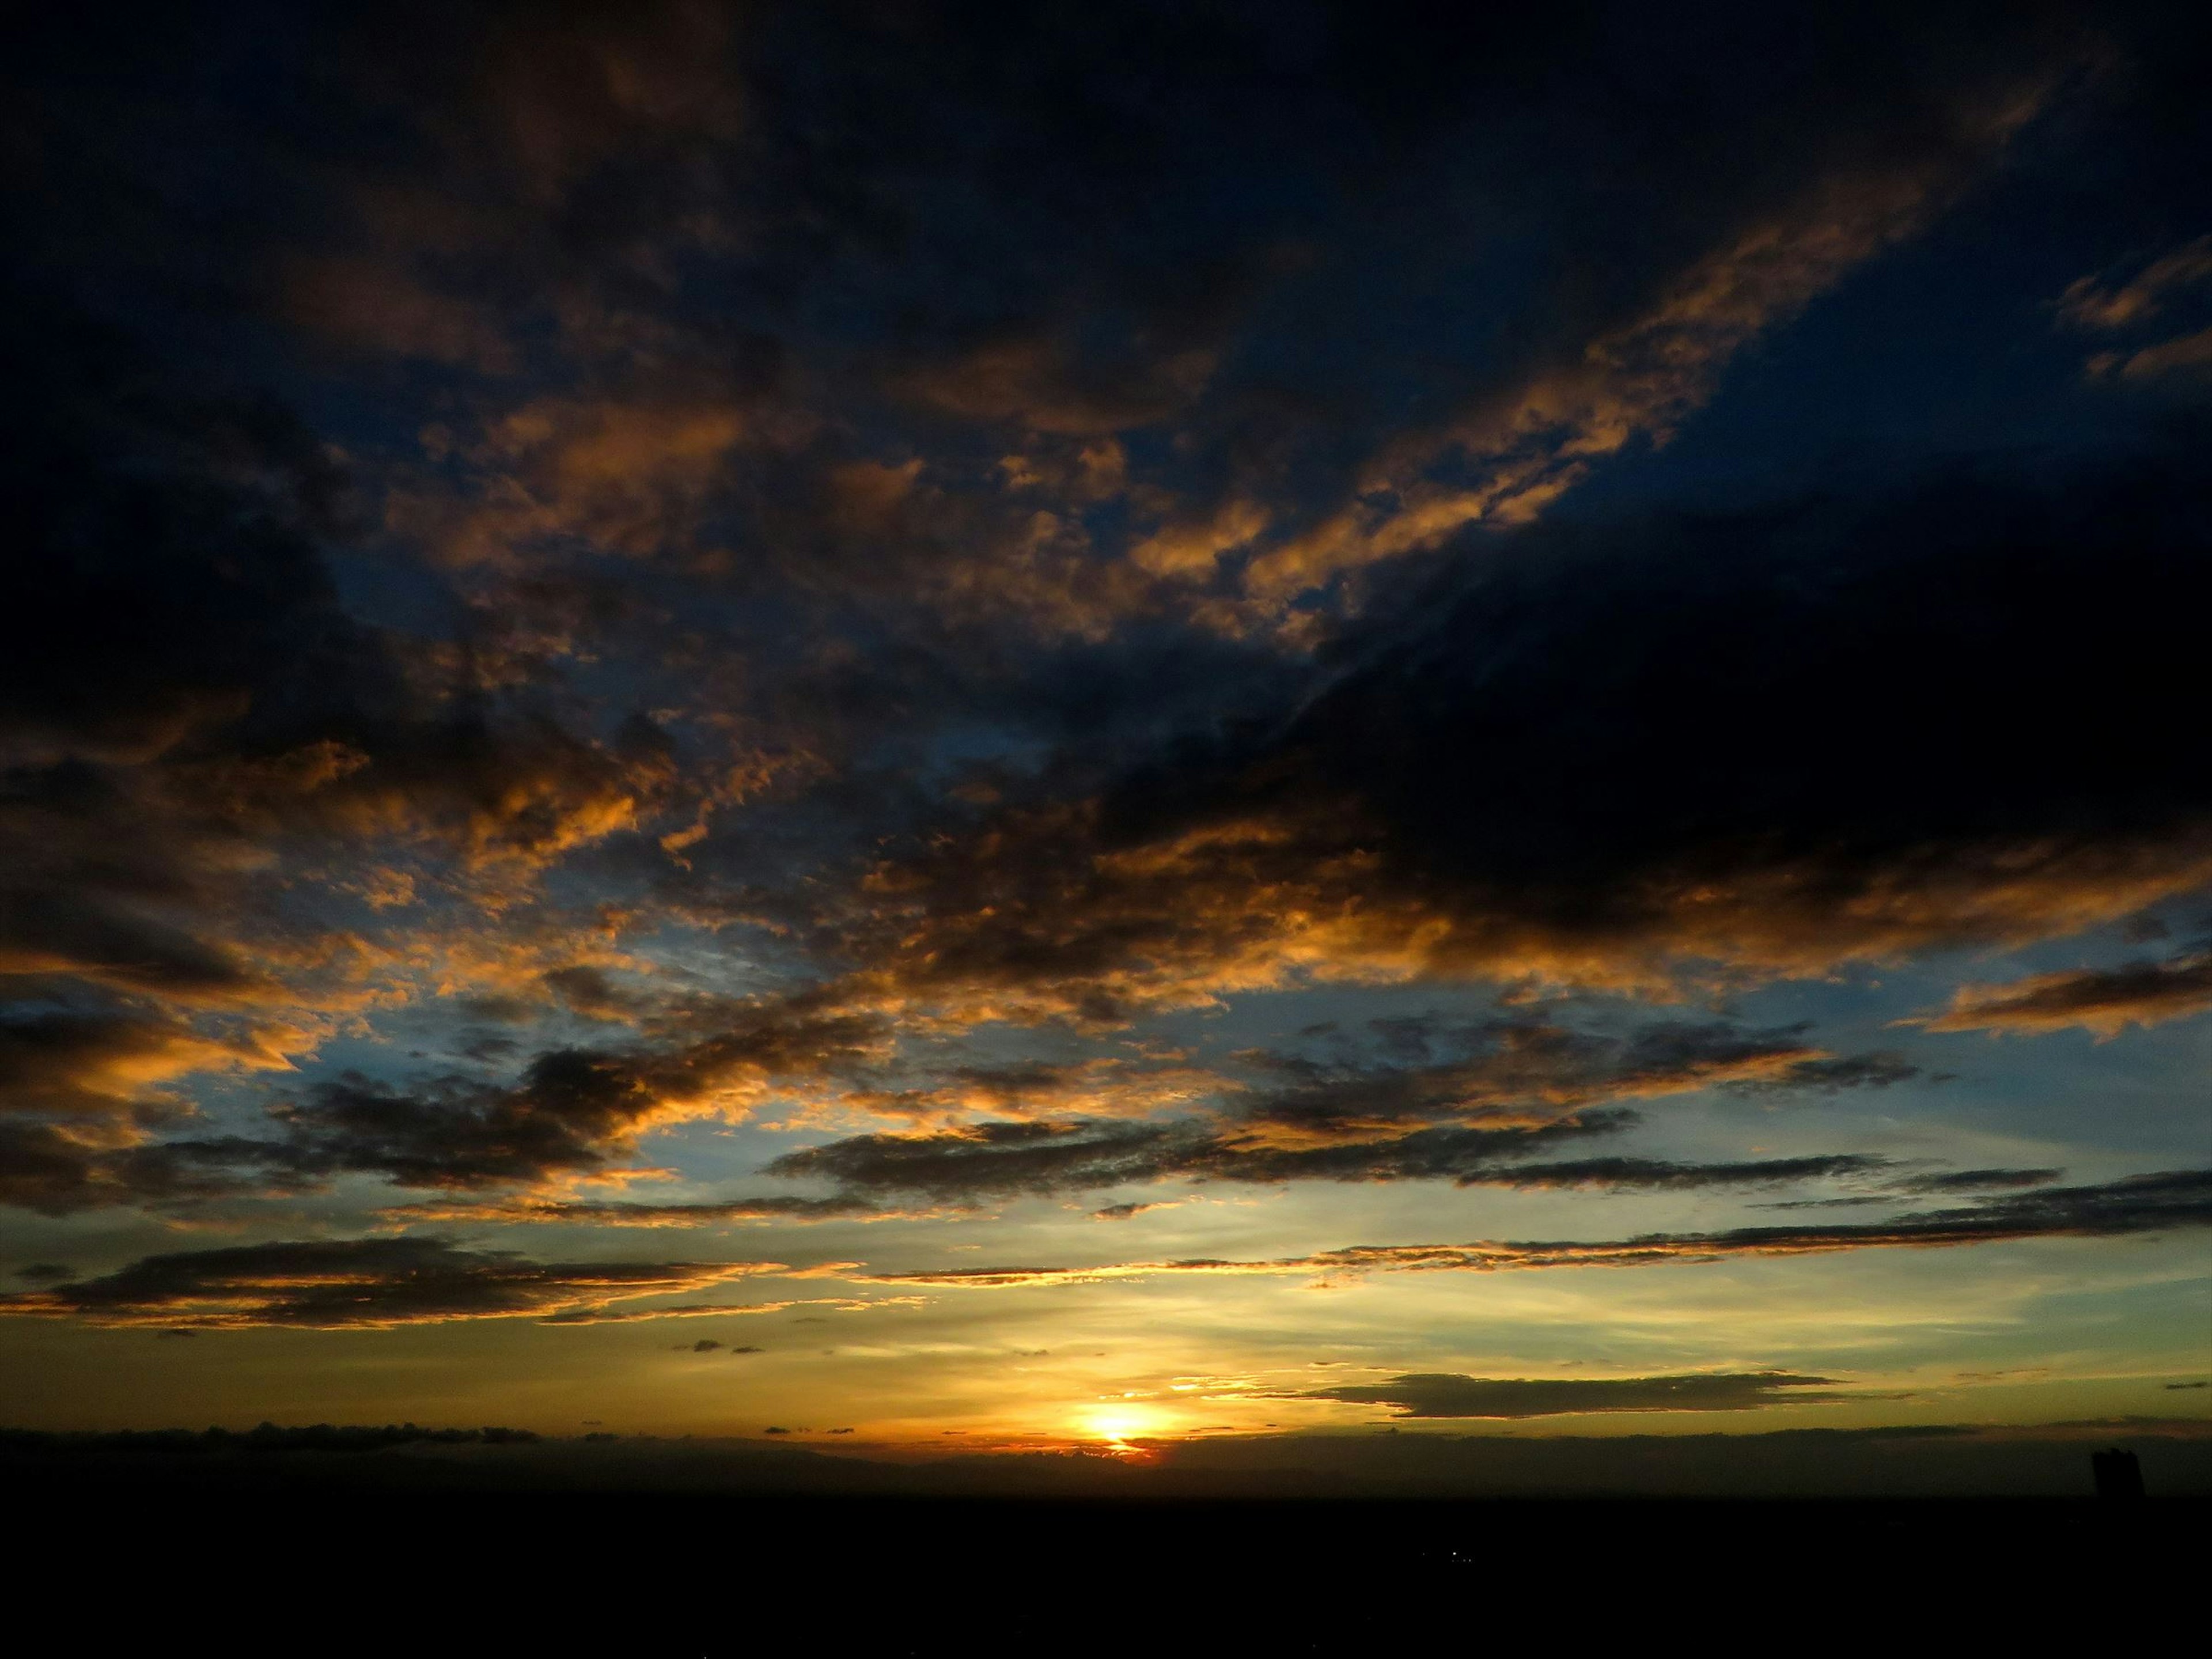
x,y
1088,725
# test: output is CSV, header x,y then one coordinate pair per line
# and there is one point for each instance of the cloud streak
x,y
2136,1204
2104,1000
362,1283
1449,1394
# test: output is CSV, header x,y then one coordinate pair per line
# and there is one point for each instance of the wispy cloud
x,y
1438,1393
2104,1000
2136,1204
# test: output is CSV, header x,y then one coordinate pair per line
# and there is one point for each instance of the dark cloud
x,y
573,1109
1002,1158
624,1213
1976,1180
976,501
1597,840
46,1168
344,1284
1631,1173
1428,1100
1508,1067
263,1438
999,1157
1439,1393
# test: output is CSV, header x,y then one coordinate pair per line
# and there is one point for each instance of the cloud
x,y
1667,778
2104,1000
2135,1204
1528,443
728,536
85,1066
578,1212
53,1171
2182,354
1005,1159
1425,1099
2090,303
1103,1086
1002,1157
573,1110
601,1315
1434,1394
1505,1069
1639,1173
359,1284
1976,1181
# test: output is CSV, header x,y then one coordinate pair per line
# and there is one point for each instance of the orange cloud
x,y
2106,1001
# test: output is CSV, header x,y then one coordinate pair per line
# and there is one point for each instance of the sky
x,y
1075,727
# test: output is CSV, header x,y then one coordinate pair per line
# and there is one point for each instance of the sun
x,y
1118,1424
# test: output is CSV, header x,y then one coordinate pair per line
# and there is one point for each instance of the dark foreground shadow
x,y
110,1562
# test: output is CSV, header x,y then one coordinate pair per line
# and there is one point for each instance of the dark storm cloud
x,y
1441,1394
340,1284
2153,1203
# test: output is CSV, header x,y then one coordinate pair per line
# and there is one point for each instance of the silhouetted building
x,y
2118,1474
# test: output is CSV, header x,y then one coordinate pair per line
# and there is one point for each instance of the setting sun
x,y
1119,1424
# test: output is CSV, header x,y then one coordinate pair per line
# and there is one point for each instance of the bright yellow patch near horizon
x,y
1118,1424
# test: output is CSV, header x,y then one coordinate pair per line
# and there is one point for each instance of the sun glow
x,y
1119,1424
